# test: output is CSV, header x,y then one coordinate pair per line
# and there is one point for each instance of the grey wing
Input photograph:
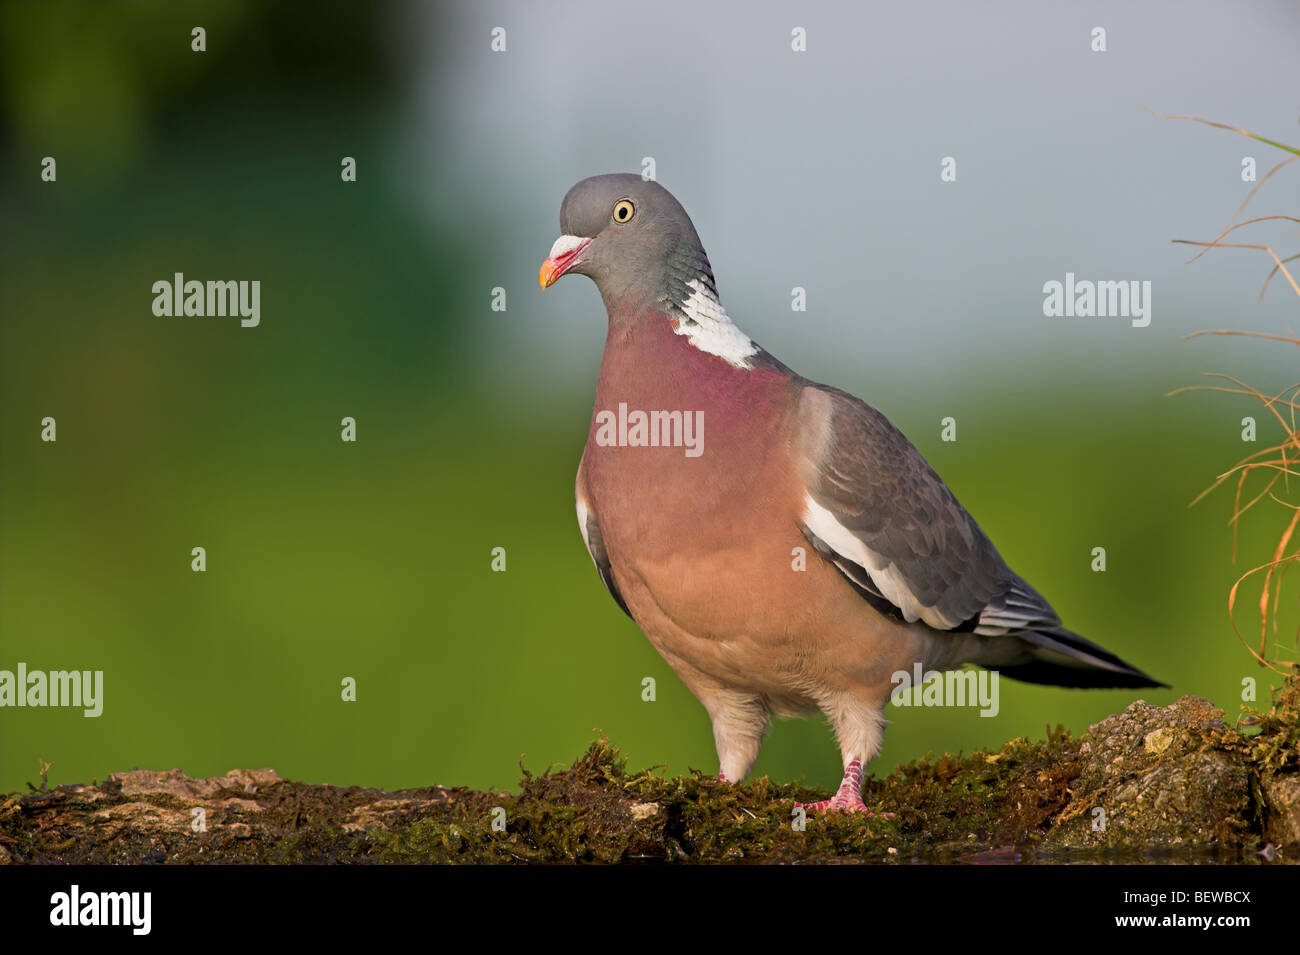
x,y
876,509
596,548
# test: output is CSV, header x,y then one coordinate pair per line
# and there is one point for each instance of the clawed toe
x,y
842,802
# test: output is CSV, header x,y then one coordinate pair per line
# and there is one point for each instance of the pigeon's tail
x,y
1062,658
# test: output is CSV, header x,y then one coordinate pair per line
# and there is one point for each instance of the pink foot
x,y
843,801
848,798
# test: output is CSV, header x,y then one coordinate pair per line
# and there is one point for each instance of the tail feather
x,y
1063,658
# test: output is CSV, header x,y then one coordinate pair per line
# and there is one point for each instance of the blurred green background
x,y
372,560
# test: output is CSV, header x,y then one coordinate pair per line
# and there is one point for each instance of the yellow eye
x,y
624,210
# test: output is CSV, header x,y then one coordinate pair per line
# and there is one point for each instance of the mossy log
x,y
1173,783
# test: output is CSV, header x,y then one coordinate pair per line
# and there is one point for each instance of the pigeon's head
x,y
627,234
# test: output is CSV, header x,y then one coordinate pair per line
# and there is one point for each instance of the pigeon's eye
x,y
624,210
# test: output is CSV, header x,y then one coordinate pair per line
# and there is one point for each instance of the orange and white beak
x,y
563,255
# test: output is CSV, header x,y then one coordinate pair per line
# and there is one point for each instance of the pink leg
x,y
848,798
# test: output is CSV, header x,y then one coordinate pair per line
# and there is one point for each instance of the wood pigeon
x,y
710,467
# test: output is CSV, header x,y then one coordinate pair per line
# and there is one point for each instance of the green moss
x,y
1175,783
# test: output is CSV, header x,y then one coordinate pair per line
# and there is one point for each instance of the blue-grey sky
x,y
821,169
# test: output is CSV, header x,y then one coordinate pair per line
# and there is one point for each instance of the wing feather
x,y
596,548
878,511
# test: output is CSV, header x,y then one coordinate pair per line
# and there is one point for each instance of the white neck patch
x,y
711,330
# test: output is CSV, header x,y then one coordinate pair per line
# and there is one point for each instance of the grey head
x,y
634,240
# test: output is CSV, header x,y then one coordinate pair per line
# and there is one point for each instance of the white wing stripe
x,y
582,526
884,574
